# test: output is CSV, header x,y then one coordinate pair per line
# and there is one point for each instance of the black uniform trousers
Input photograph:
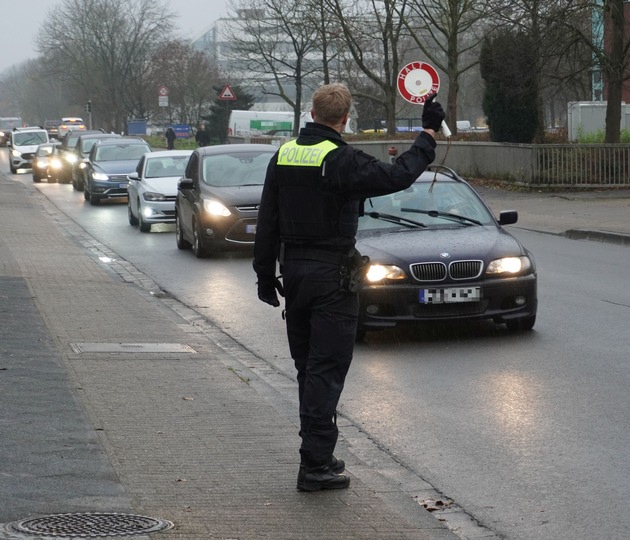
x,y
321,327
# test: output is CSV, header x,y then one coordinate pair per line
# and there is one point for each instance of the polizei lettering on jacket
x,y
294,154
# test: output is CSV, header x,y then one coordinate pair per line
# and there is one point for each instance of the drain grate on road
x,y
79,348
90,525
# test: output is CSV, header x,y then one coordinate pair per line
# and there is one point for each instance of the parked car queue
x,y
436,251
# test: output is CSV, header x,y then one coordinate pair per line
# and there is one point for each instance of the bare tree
x,y
103,48
448,32
372,33
277,48
190,76
610,48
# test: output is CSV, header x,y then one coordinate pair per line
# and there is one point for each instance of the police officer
x,y
311,202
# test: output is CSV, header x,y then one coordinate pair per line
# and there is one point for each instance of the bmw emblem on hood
x,y
445,255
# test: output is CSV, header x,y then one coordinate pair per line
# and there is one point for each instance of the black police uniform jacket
x,y
310,202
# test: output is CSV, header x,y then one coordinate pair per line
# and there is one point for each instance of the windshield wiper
x,y
396,219
445,215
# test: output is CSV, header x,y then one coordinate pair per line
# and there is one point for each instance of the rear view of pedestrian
x,y
170,138
203,136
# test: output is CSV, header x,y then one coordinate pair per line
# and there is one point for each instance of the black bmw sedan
x,y
437,253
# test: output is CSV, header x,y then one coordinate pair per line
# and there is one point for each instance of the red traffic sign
x,y
417,81
227,93
163,91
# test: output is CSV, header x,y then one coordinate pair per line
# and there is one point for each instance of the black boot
x,y
316,478
337,465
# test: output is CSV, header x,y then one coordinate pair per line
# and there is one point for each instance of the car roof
x,y
29,128
121,140
167,153
234,148
101,135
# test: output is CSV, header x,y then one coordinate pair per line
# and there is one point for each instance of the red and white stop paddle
x,y
416,82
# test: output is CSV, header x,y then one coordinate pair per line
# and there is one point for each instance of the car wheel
x,y
521,325
199,249
36,178
182,243
12,169
142,225
133,220
94,201
86,194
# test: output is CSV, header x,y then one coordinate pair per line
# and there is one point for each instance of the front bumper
x,y
384,306
158,211
24,161
114,188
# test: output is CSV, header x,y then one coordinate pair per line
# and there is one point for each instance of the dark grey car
x,y
218,197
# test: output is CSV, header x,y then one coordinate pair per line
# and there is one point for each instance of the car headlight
x,y
16,153
100,176
151,196
509,265
41,164
379,272
55,163
71,158
215,208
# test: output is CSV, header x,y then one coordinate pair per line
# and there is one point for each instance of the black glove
x,y
267,291
432,115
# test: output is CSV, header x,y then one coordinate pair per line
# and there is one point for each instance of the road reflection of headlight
x,y
379,272
509,265
215,208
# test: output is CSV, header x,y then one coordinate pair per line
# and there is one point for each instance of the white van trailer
x,y
247,123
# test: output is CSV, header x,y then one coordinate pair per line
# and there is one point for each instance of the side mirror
x,y
185,183
508,217
133,176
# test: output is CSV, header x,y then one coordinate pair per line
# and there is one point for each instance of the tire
x,y
198,247
95,201
86,195
12,169
521,325
182,243
36,178
133,220
142,225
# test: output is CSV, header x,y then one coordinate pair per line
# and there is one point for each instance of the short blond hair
x,y
331,102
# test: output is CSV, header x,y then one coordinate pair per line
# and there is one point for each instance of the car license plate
x,y
250,229
122,186
450,295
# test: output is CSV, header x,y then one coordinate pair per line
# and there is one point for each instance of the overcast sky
x,y
21,19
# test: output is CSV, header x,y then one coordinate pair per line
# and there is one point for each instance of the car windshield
x,y
44,150
166,166
29,137
237,169
121,152
443,205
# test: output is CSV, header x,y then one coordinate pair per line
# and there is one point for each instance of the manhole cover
x,y
131,348
90,525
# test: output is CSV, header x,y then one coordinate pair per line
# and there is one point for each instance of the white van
x,y
253,123
23,145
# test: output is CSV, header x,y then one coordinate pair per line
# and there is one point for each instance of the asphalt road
x,y
526,432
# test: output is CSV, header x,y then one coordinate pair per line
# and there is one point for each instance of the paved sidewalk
x,y
98,415
114,398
